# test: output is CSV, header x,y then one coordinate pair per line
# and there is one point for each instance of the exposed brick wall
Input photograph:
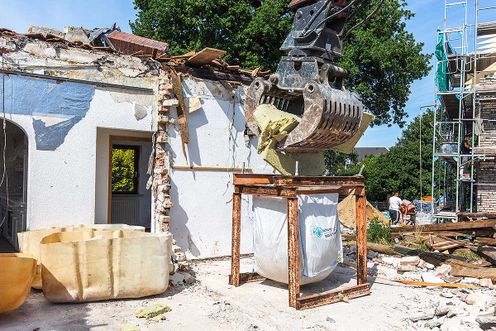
x,y
161,162
486,168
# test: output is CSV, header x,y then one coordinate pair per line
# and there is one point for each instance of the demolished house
x,y
72,100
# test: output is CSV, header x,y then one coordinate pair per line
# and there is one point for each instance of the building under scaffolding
x,y
464,141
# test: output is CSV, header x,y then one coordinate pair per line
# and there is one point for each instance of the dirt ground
x,y
211,304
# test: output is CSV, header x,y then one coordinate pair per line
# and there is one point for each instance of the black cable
x,y
366,19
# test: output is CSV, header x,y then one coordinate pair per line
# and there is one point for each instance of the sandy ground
x,y
212,304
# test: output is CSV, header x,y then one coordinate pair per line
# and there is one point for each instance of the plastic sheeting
x,y
320,237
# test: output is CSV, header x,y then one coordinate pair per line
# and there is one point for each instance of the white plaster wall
x,y
61,183
202,200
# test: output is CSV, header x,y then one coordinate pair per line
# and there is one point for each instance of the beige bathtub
x,y
91,265
16,274
29,241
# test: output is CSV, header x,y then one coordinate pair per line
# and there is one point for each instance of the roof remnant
x,y
131,44
206,63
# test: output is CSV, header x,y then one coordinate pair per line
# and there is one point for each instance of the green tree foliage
x,y
250,31
382,57
399,169
337,162
123,170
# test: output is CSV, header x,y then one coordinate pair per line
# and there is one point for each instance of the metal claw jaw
x,y
329,116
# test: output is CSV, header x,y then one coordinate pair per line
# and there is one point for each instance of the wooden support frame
x,y
289,188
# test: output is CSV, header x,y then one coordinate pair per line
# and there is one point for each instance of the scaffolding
x,y
466,54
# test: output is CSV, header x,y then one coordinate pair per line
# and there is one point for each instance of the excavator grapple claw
x,y
308,84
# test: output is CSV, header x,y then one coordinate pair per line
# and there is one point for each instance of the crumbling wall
x,y
60,96
196,178
160,182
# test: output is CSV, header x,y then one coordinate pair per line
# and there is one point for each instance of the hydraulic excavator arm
x,y
308,83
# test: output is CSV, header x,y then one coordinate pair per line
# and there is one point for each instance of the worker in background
x,y
394,207
465,149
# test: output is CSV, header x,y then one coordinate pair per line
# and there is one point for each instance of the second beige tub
x,y
92,265
29,241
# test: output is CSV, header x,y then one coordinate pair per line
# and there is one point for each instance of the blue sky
x,y
18,15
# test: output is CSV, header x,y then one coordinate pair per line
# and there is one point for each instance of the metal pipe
x,y
205,168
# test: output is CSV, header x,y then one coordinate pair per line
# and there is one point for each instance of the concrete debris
x,y
433,323
407,267
421,316
429,277
470,280
182,278
442,310
179,257
410,260
443,270
486,282
486,322
477,298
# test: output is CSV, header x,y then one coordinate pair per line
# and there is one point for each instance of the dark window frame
x,y
136,176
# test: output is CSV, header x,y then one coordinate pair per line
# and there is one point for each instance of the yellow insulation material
x,y
275,126
347,213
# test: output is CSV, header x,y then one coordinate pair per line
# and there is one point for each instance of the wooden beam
x,y
206,55
489,253
182,110
361,238
268,191
486,241
236,238
423,284
480,273
250,277
383,249
325,298
299,181
293,252
491,223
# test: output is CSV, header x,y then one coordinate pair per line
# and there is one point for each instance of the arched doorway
x,y
13,178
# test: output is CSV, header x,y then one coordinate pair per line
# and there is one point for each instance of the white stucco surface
x,y
61,182
202,200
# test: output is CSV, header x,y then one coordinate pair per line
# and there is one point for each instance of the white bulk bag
x,y
320,237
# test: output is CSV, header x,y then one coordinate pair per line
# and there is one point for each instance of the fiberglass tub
x,y
16,274
80,266
29,241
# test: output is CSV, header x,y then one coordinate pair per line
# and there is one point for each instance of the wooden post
x,y
293,252
236,238
361,237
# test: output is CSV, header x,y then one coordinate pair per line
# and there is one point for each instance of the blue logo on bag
x,y
318,232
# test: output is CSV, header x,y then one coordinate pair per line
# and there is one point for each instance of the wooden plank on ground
x,y
489,253
206,56
486,241
480,273
439,258
415,283
491,223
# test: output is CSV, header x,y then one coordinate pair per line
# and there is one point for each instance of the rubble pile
x,y
181,270
458,303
